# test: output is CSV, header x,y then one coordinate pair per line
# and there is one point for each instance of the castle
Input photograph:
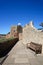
x,y
16,32
27,33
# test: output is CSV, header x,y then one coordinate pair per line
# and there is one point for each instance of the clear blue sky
x,y
13,12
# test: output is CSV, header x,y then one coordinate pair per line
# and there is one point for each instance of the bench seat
x,y
35,47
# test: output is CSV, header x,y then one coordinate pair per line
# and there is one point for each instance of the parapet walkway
x,y
20,55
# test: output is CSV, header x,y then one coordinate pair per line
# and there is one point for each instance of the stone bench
x,y
35,47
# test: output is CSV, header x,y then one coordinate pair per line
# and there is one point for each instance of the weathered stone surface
x,y
21,60
20,55
31,34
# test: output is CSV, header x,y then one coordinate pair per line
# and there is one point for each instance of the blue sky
x,y
13,12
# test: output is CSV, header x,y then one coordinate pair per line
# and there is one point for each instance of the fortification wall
x,y
32,34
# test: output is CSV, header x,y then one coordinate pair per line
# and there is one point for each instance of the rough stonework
x,y
20,31
7,36
13,32
16,32
31,34
28,34
20,54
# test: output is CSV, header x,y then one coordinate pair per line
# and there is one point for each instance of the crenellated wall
x,y
30,33
27,34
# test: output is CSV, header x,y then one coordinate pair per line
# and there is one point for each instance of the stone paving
x,y
20,55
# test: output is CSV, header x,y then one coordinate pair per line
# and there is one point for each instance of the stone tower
x,y
13,31
16,31
20,31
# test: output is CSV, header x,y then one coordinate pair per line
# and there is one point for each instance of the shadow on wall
x,y
20,31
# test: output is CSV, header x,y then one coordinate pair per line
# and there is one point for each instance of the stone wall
x,y
7,36
13,31
16,32
20,31
20,36
30,33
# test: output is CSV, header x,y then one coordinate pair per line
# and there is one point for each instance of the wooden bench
x,y
35,47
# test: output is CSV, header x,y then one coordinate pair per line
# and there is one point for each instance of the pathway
x,y
20,55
